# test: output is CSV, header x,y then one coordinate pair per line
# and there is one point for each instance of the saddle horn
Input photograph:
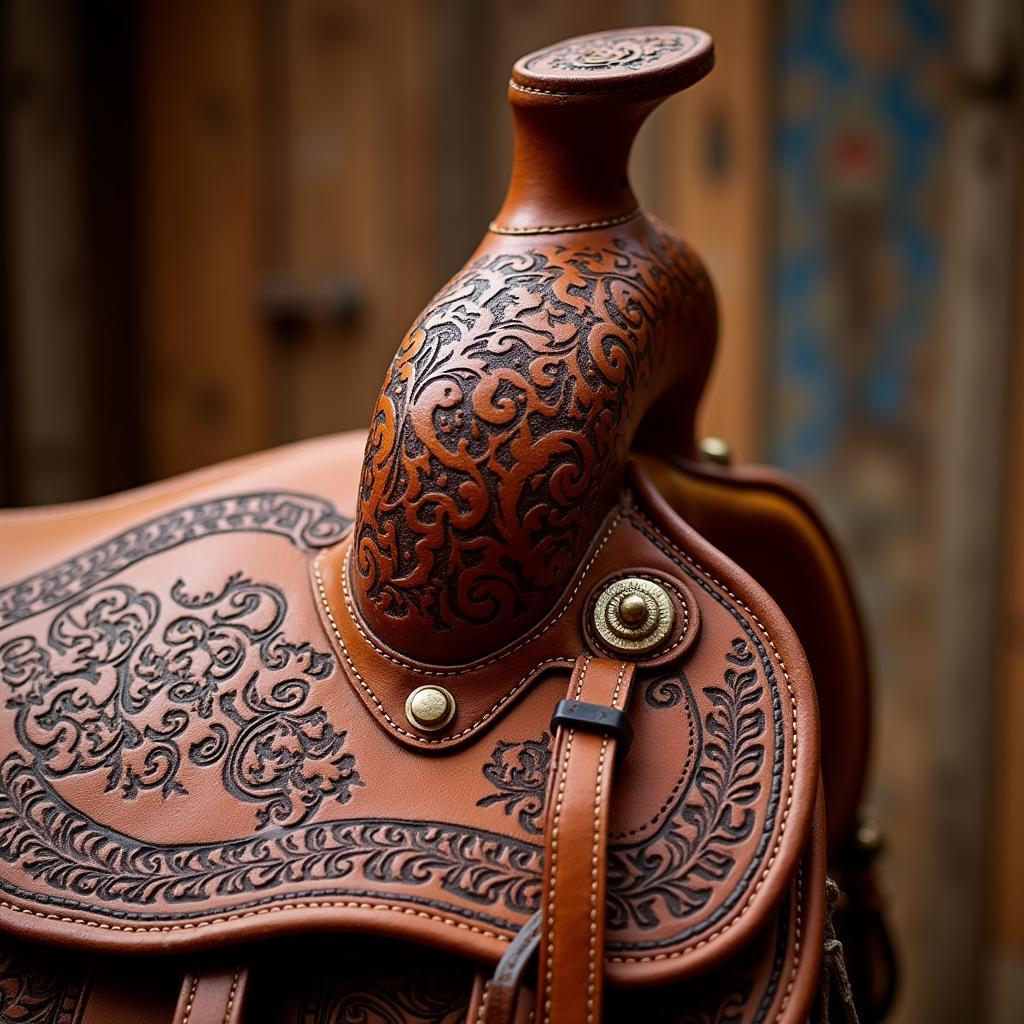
x,y
501,433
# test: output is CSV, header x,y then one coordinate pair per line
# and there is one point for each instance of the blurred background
x,y
217,218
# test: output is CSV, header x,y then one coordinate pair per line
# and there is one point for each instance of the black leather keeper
x,y
599,718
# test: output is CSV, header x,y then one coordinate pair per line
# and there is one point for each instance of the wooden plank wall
x,y
714,187
205,362
986,161
50,452
316,169
1004,977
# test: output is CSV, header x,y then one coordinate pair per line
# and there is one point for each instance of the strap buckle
x,y
599,718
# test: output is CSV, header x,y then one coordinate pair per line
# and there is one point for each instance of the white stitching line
x,y
231,995
261,912
191,999
502,655
599,808
549,943
378,704
797,941
484,996
622,959
554,229
594,872
376,700
341,904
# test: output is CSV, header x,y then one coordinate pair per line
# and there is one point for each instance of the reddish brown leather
x,y
767,523
277,546
502,430
203,741
576,107
213,996
571,970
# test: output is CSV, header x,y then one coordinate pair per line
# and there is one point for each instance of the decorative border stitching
x,y
191,998
260,912
649,958
446,673
502,654
556,229
797,942
231,995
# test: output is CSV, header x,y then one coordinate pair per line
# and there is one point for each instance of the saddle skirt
x,y
339,731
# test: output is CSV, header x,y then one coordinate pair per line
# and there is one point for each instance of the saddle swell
x,y
501,434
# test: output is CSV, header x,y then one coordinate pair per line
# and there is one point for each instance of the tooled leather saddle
x,y
503,712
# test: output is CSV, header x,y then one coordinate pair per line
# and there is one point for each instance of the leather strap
x,y
571,968
502,992
212,996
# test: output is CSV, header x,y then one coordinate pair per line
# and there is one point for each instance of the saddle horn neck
x,y
499,440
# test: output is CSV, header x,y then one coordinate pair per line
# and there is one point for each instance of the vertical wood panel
x,y
47,353
1005,980
985,178
206,363
713,178
359,197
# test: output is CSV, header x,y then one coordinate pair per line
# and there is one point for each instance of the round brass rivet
x,y
633,610
716,450
429,708
633,615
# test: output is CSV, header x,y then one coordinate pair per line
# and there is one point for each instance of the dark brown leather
x,y
213,996
503,994
205,756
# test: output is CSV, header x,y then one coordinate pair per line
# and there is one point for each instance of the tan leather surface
x,y
570,979
108,852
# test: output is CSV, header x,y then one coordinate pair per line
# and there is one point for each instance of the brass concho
x,y
633,615
430,708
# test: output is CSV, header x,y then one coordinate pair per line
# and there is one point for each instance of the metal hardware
x,y
599,718
429,708
716,450
633,615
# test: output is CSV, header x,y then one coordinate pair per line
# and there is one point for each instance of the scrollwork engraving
x,y
519,773
501,423
626,51
693,849
107,691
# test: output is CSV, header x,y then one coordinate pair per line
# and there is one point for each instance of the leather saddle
x,y
503,711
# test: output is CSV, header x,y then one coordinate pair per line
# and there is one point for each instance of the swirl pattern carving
x,y
624,51
34,985
103,693
378,987
519,774
308,522
502,430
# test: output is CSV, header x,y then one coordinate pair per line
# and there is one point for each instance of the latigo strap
x,y
569,928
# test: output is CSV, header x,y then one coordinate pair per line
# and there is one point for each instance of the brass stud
x,y
633,615
633,610
716,450
429,708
